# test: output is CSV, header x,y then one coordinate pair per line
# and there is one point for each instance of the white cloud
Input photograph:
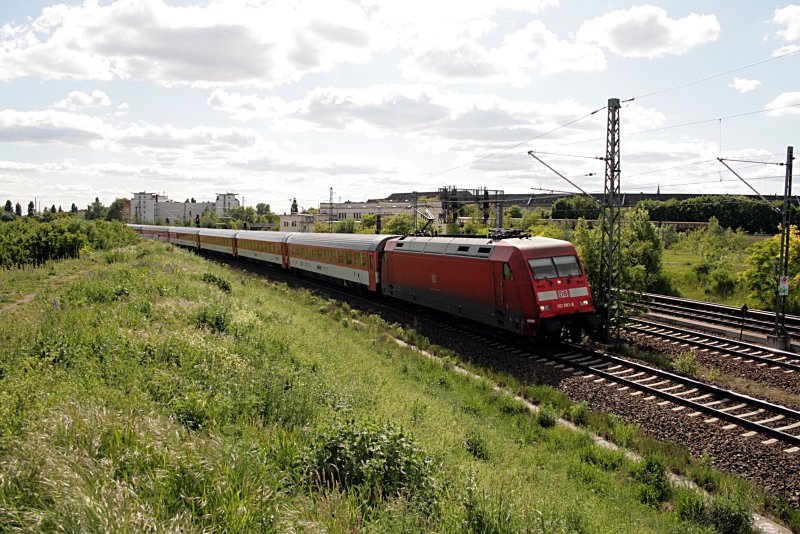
x,y
77,100
538,45
788,49
46,127
789,17
466,61
245,107
223,43
420,25
533,47
440,122
648,32
789,102
743,85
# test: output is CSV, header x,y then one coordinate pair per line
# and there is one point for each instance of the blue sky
x,y
275,100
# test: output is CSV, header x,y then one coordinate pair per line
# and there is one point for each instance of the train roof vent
x,y
484,250
399,245
463,249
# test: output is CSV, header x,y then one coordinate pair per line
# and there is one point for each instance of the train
x,y
531,286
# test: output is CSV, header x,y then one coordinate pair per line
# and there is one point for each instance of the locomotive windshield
x,y
558,267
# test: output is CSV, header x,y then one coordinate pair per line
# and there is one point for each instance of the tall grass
x,y
151,399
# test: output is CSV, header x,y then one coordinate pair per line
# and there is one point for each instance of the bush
x,y
732,511
579,413
214,317
379,458
686,363
218,281
476,445
652,474
546,416
606,459
689,505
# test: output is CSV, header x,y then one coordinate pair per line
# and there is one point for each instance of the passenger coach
x,y
349,258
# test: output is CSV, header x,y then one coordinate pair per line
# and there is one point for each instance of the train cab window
x,y
567,266
507,272
543,268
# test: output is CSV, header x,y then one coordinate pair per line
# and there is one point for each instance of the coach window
x,y
371,262
349,258
341,257
507,272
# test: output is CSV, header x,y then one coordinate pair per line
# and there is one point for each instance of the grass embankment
x,y
681,262
158,391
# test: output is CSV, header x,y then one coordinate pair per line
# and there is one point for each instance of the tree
x,y
116,210
18,210
293,209
247,215
73,208
31,209
401,224
9,207
345,226
515,212
641,270
761,278
262,208
575,207
96,210
368,224
193,201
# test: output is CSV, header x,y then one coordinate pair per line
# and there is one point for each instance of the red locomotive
x,y
530,286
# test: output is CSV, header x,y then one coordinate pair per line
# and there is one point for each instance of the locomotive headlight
x,y
585,302
544,307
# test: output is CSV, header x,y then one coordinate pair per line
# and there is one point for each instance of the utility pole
x,y
414,208
781,337
330,211
611,262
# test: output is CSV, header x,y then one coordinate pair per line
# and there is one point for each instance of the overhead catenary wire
x,y
517,145
711,77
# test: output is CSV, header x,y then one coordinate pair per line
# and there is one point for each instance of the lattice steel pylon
x,y
779,331
611,253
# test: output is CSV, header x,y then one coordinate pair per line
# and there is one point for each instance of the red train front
x,y
531,286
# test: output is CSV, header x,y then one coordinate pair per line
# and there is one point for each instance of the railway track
x,y
775,422
779,359
721,315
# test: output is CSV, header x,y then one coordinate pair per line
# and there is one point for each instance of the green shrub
x,y
214,317
732,511
652,474
689,505
379,458
546,416
686,363
579,413
476,445
218,281
607,459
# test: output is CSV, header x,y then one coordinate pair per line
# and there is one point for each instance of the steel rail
x,y
794,364
754,316
721,394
